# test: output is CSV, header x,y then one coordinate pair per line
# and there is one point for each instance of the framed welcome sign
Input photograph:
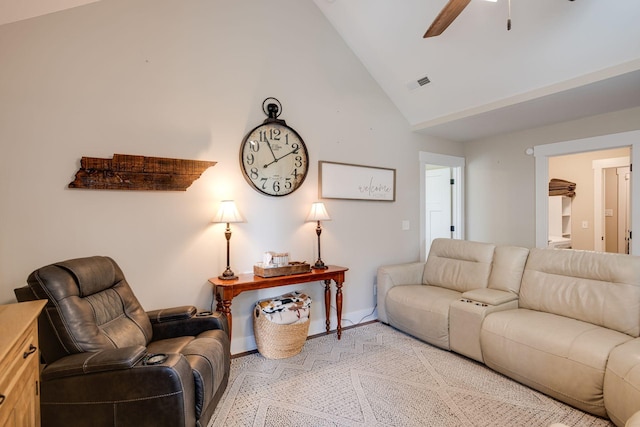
x,y
356,182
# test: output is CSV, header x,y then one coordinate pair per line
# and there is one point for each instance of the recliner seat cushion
x,y
421,311
559,356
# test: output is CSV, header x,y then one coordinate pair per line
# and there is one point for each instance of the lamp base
x,y
319,265
228,275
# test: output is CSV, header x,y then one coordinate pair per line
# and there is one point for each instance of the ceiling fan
x,y
449,13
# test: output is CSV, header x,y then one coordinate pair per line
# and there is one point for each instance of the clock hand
x,y
271,149
282,157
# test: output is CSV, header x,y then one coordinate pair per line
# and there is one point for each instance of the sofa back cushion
x,y
459,265
595,287
508,267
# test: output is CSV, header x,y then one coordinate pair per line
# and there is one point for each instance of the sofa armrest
x,y
622,383
634,421
486,296
392,275
98,361
191,326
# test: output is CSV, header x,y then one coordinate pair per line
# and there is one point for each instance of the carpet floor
x,y
378,376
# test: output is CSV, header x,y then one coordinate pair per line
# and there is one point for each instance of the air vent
x,y
423,81
415,84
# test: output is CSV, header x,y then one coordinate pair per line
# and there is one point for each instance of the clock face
x,y
274,159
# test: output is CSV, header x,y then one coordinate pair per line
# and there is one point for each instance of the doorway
x,y
542,154
583,213
441,198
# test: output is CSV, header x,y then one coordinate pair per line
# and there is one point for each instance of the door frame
x,y
457,198
542,154
624,195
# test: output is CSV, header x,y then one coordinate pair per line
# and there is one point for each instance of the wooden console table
x,y
226,290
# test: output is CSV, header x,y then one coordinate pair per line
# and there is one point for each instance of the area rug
x,y
378,376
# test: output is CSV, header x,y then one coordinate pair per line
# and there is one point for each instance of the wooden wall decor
x,y
129,172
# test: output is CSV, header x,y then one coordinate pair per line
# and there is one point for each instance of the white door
x,y
438,204
441,204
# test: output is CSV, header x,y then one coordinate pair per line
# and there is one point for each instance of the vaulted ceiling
x,y
561,60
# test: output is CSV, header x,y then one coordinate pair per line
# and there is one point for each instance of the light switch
x,y
585,224
608,212
405,225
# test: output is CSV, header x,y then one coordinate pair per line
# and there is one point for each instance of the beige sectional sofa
x,y
563,322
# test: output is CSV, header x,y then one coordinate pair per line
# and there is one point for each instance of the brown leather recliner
x,y
108,363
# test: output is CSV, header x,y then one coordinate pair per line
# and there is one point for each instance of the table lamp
x,y
228,213
318,213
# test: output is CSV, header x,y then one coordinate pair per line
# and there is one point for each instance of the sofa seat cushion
x,y
207,354
559,356
421,311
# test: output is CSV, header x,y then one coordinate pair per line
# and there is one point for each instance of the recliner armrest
x,y
92,362
489,296
162,394
192,326
170,314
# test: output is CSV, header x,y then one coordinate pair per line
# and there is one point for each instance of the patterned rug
x,y
378,376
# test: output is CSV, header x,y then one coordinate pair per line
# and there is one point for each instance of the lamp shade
x,y
318,213
228,212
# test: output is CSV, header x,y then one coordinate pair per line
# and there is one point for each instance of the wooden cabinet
x,y
19,365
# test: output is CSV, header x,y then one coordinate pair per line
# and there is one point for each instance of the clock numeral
x,y
250,159
254,146
254,173
272,134
275,187
295,174
298,162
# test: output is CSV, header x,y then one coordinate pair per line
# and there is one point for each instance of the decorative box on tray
x,y
273,270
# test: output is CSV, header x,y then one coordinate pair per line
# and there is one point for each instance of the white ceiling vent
x,y
418,83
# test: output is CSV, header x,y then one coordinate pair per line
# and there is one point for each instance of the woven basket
x,y
278,341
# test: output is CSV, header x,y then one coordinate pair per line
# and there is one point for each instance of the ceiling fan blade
x,y
446,16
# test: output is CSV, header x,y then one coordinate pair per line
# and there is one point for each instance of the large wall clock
x,y
273,157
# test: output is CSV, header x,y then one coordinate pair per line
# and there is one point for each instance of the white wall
x,y
501,177
186,79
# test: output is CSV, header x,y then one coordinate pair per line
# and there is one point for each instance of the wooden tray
x,y
281,271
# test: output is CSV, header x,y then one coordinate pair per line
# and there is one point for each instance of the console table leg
x,y
327,303
224,306
226,309
339,307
